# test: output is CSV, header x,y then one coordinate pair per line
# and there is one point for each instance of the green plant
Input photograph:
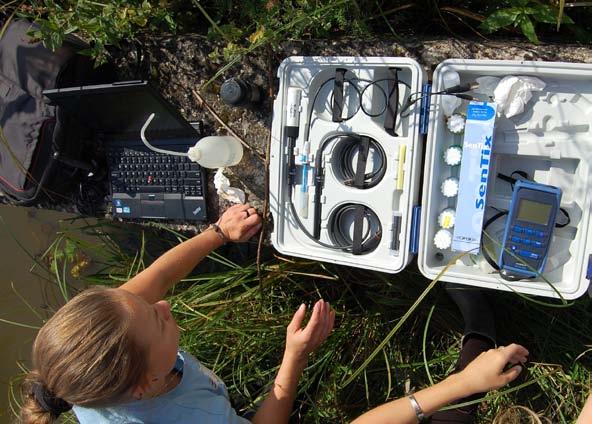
x,y
524,14
269,22
233,319
99,24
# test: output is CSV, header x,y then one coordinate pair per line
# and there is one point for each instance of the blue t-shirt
x,y
200,397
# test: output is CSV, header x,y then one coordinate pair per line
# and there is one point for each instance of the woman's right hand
x,y
240,222
488,371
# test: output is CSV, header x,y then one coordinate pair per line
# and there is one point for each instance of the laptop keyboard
x,y
145,171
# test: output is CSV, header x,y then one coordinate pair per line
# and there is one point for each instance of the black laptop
x,y
144,184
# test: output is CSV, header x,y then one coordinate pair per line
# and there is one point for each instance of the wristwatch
x,y
421,418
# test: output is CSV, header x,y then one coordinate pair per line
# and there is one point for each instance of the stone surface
x,y
181,63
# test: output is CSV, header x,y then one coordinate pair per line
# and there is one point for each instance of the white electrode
x,y
293,107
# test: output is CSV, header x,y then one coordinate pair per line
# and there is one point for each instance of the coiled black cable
x,y
339,231
360,95
347,154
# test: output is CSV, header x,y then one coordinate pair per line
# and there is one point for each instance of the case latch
x,y
424,109
415,222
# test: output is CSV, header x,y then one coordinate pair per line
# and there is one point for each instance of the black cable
x,y
360,97
373,177
347,156
384,93
373,115
340,234
557,225
486,255
307,233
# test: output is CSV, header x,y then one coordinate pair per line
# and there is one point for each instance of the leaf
x,y
257,35
500,18
140,20
231,32
70,250
55,41
527,28
544,13
92,26
170,22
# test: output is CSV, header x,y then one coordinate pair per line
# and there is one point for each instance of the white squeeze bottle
x,y
216,151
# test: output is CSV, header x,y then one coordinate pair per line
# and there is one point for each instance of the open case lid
x,y
119,110
312,77
551,141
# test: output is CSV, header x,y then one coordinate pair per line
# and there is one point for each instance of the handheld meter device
x,y
529,228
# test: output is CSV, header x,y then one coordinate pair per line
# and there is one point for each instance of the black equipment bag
x,y
42,150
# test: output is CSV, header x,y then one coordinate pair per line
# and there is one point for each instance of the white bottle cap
x,y
443,239
194,153
453,155
446,218
450,187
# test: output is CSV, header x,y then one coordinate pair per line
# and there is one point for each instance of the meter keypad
x,y
524,242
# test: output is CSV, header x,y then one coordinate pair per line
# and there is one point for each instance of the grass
x,y
387,339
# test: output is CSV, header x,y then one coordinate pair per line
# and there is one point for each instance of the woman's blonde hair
x,y
84,355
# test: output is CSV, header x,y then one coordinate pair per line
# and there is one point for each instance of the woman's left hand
x,y
300,342
240,222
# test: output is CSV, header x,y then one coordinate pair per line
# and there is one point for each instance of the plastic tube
x,y
150,146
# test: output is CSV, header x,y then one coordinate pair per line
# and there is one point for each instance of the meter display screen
x,y
535,212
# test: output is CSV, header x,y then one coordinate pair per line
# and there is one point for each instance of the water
x,y
34,229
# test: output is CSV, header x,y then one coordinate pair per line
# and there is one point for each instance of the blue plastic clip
x,y
589,272
415,221
424,109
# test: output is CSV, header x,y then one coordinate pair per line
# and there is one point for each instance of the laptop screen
x,y
121,109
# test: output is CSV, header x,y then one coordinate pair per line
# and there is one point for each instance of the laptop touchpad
x,y
153,209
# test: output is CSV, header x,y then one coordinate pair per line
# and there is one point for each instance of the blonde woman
x,y
113,353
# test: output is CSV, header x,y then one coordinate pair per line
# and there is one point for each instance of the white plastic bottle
x,y
216,151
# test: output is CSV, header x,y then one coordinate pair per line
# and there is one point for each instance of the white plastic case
x,y
309,74
551,140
